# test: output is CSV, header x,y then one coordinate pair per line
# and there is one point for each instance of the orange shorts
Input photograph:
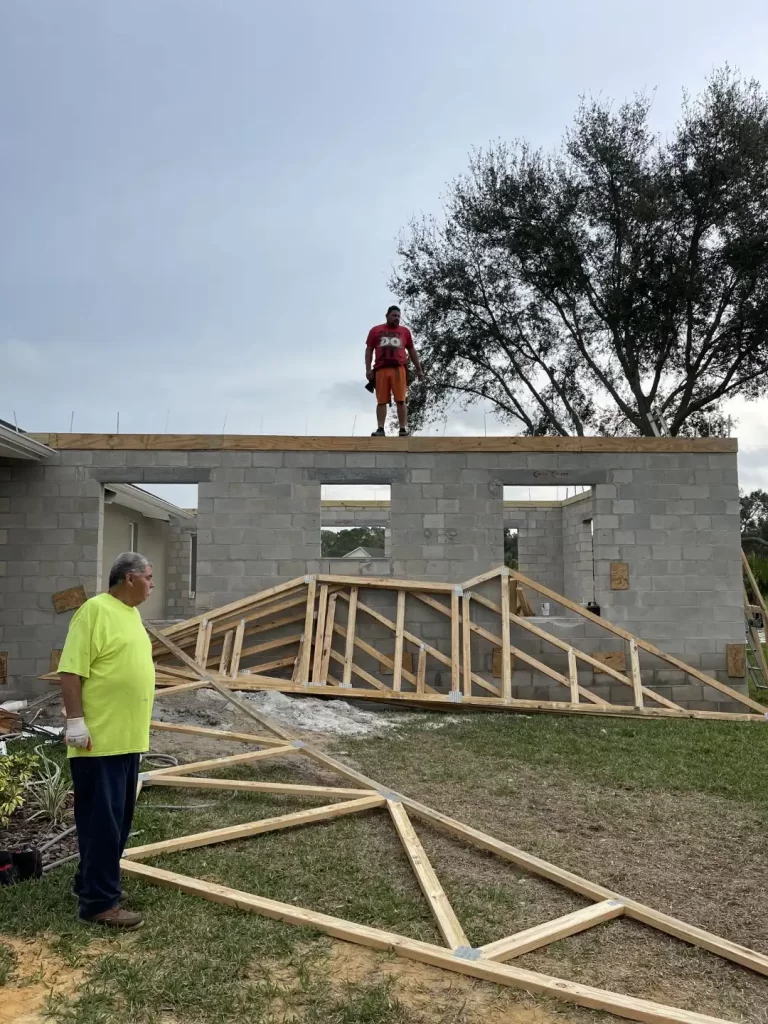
x,y
391,380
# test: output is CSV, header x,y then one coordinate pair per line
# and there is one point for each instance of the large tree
x,y
622,277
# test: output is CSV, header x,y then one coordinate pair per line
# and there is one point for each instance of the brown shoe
x,y
125,920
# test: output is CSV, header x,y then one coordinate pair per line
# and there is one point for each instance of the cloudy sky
x,y
199,199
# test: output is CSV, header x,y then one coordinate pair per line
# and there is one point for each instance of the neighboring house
x,y
362,552
135,520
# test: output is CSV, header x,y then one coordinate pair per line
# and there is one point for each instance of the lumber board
x,y
455,640
168,691
634,667
297,662
237,649
322,608
254,786
346,689
385,583
647,915
551,931
235,608
309,625
271,645
562,645
568,879
349,649
412,638
330,619
506,647
421,670
573,675
619,576
226,651
432,651
397,668
254,828
202,626
321,443
225,691
442,911
466,643
383,659
267,666
492,574
736,660
486,970
438,700
755,588
219,734
643,645
69,600
213,764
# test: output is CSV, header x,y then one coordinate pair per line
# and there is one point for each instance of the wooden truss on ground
x,y
309,628
489,962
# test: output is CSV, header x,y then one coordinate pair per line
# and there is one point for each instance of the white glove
x,y
77,734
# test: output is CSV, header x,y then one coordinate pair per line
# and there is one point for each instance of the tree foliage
x,y
337,543
624,276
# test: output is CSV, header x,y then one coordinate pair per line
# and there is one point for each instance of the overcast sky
x,y
199,199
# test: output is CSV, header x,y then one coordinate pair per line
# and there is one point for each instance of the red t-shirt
x,y
391,344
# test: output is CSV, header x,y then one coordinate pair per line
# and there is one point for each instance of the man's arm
x,y
411,348
369,347
77,734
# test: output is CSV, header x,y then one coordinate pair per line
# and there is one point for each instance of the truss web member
x,y
107,684
393,345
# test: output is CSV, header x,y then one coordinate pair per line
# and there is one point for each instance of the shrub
x,y
49,790
16,770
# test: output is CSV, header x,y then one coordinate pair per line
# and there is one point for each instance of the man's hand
x,y
369,374
77,734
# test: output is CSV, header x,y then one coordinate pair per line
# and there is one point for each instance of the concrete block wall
x,y
578,556
179,603
51,528
539,542
674,518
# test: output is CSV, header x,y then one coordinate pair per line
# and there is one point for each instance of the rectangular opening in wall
x,y
354,521
510,547
159,522
548,537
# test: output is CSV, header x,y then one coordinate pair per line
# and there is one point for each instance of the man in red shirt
x,y
393,345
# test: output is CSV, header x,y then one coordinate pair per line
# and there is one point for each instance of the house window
x,y
192,564
133,536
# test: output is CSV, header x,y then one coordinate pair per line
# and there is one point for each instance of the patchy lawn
x,y
671,813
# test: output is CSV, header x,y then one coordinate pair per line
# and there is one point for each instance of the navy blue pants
x,y
105,796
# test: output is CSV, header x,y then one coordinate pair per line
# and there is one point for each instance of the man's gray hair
x,y
128,561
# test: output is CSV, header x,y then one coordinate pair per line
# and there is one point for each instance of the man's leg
x,y
131,782
105,794
400,393
383,385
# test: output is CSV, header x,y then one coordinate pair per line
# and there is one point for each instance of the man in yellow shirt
x,y
107,683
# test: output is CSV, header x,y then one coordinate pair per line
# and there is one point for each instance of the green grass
x,y
7,963
568,788
726,759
